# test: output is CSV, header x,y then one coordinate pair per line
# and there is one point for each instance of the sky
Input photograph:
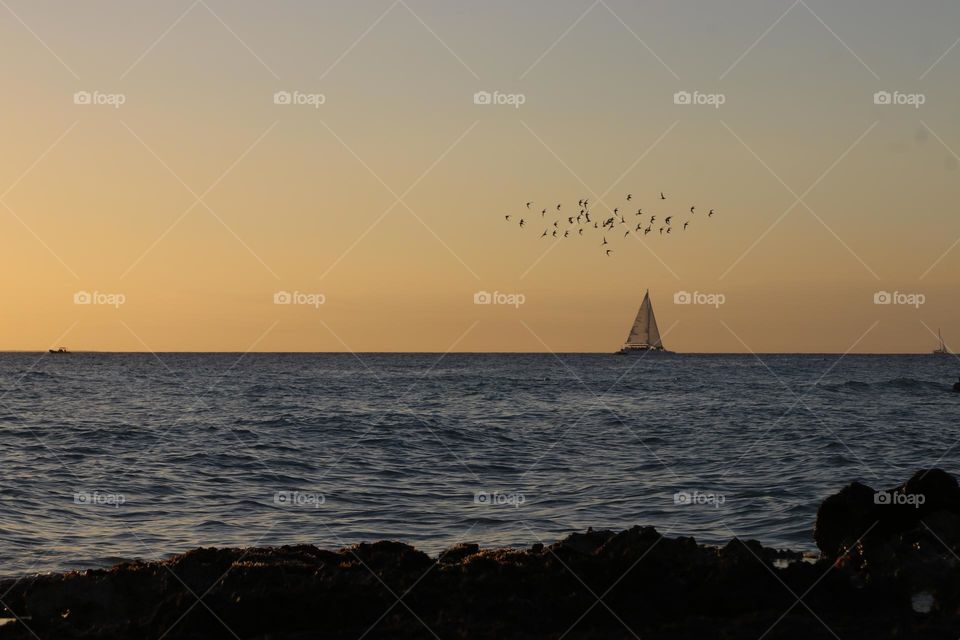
x,y
157,194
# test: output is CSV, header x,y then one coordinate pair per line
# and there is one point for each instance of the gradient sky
x,y
293,198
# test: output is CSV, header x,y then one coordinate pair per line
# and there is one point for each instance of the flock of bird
x,y
566,226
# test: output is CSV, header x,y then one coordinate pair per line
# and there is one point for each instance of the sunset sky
x,y
199,198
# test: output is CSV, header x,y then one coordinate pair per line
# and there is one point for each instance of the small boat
x,y
60,350
644,335
941,349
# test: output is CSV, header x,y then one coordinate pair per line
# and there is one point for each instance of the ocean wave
x,y
906,384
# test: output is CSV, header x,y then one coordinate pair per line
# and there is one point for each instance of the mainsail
x,y
645,332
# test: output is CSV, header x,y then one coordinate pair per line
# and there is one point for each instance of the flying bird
x,y
507,218
685,225
668,219
692,209
662,197
528,204
544,234
609,251
521,223
604,241
710,214
629,197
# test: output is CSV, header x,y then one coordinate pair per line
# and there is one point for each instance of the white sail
x,y
644,331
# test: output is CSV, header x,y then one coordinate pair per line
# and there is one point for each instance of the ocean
x,y
110,457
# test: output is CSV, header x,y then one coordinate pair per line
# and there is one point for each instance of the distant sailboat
x,y
941,349
644,335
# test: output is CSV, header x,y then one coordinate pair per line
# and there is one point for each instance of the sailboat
x,y
644,335
941,349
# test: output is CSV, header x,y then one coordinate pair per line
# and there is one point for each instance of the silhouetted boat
x,y
644,335
941,349
60,350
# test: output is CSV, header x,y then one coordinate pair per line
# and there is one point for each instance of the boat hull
x,y
626,351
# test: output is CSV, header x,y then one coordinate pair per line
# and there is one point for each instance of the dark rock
x,y
843,518
458,553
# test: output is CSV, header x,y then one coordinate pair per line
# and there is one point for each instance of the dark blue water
x,y
106,456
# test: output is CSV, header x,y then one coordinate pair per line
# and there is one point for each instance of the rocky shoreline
x,y
888,568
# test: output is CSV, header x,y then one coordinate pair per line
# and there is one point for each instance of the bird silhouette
x,y
604,241
662,197
521,223
629,197
692,209
668,219
528,204
661,230
609,251
544,235
507,218
669,229
685,225
566,234
709,215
